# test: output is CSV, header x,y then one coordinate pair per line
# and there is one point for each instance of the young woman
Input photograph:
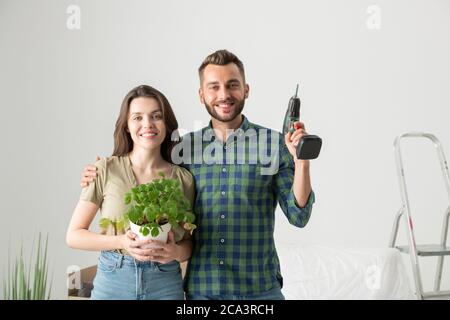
x,y
142,148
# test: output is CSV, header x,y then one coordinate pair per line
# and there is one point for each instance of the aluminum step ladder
x,y
428,250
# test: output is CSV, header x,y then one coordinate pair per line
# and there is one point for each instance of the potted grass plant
x,y
28,281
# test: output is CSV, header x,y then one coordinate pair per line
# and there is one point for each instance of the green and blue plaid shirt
x,y
238,186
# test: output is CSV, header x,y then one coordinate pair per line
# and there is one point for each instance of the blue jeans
x,y
121,277
272,294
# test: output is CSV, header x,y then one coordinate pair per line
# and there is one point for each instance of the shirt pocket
x,y
250,180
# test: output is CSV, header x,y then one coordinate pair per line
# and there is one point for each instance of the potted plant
x,y
28,280
156,207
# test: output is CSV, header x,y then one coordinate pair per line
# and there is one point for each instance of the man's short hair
x,y
222,58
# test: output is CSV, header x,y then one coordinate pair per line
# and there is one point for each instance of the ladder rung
x,y
436,294
428,250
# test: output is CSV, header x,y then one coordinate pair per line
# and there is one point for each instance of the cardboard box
x,y
80,283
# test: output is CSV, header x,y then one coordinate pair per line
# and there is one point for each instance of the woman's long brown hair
x,y
123,144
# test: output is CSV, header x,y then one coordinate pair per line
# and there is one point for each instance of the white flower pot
x,y
162,236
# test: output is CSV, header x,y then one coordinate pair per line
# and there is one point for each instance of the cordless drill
x,y
309,145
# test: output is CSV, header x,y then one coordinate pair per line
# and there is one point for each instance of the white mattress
x,y
324,272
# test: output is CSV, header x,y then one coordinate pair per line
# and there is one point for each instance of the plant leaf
x,y
104,223
155,232
145,231
127,198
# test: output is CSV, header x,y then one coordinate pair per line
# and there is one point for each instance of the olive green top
x,y
115,177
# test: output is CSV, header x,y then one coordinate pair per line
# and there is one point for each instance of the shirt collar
x,y
245,125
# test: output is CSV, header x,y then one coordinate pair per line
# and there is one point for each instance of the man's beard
x,y
238,107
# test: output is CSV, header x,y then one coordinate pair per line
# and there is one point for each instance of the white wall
x,y
61,90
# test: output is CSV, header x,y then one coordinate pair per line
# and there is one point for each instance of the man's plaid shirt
x,y
236,197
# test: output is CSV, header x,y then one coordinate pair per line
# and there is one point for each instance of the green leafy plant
x,y
118,225
22,283
156,203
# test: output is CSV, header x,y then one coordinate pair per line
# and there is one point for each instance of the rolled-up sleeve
x,y
296,215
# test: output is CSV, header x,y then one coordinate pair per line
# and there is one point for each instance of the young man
x,y
237,190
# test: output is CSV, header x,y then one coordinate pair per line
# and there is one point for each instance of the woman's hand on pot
x,y
164,252
134,246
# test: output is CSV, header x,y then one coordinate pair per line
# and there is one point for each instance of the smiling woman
x,y
146,108
128,268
